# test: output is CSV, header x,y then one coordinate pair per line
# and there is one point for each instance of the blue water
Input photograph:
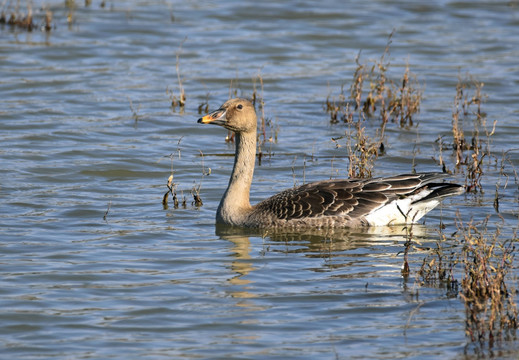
x,y
93,266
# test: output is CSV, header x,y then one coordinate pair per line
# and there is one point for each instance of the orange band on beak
x,y
217,117
206,119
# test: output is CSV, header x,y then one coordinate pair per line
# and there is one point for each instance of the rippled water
x,y
92,264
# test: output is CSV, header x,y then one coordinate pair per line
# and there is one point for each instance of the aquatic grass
x,y
339,110
490,308
48,24
459,143
18,18
372,95
23,17
171,190
26,20
438,267
71,9
478,263
372,90
407,245
195,191
469,156
172,187
405,102
474,263
440,161
362,151
178,100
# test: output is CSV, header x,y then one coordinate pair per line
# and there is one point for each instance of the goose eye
x,y
240,106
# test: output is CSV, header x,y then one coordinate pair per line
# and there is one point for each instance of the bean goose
x,y
401,199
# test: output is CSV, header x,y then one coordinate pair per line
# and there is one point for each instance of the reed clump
x,y
490,308
438,268
476,267
195,191
24,18
362,151
18,18
172,187
469,155
373,95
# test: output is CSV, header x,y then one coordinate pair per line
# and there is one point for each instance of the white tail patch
x,y
403,211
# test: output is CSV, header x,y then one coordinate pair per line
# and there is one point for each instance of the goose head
x,y
237,115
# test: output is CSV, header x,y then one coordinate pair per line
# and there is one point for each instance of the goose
x,y
337,203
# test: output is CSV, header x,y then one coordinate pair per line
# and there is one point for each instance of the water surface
x,y
92,264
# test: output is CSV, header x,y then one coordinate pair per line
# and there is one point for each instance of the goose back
x,y
351,202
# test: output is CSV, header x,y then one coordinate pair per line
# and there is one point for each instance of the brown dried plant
x,y
362,151
469,156
438,267
17,18
490,308
371,89
482,260
406,102
179,100
172,187
373,95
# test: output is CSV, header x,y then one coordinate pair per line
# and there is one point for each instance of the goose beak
x,y
216,117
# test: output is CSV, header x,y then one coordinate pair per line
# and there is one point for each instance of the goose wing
x,y
353,198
